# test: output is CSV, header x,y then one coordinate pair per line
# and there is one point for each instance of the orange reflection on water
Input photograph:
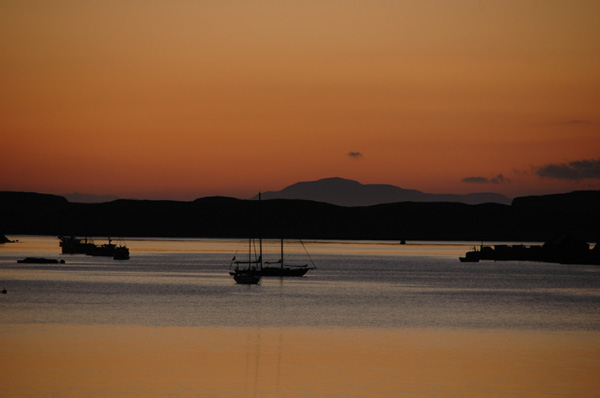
x,y
49,246
75,361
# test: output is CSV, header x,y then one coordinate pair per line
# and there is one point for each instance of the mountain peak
x,y
345,192
329,182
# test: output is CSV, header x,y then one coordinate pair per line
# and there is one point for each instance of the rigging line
x,y
233,259
255,251
309,257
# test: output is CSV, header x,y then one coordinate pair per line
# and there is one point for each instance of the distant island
x,y
344,192
526,219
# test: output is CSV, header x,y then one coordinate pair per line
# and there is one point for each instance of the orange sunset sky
x,y
183,99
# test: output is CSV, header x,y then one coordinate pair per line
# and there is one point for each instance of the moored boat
x,y
248,272
121,253
247,277
252,270
40,260
283,269
73,245
472,256
105,250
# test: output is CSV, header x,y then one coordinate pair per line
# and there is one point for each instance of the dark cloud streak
x,y
475,180
355,155
574,171
499,179
576,121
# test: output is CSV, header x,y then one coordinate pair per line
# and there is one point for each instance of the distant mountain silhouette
x,y
343,192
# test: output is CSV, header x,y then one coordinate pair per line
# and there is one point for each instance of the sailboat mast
x,y
260,230
282,234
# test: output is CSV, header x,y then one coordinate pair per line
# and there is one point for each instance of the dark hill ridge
x,y
343,192
528,219
583,202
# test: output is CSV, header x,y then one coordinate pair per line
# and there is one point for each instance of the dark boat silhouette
x,y
284,269
472,256
121,253
250,271
247,272
105,250
255,269
40,260
73,245
247,277
280,268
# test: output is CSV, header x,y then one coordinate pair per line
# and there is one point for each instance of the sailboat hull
x,y
278,271
247,277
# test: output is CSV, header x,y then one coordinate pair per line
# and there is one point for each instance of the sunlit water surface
x,y
373,319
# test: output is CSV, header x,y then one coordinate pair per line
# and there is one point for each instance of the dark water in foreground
x,y
356,284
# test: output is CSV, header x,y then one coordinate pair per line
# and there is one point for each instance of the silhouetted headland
x,y
4,239
527,219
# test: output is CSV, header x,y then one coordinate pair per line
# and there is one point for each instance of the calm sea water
x,y
375,319
355,285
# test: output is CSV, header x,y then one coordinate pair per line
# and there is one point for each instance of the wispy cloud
x,y
475,180
355,155
575,122
499,179
520,171
575,171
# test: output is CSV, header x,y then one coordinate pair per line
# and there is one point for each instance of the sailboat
x,y
247,272
280,268
250,272
283,269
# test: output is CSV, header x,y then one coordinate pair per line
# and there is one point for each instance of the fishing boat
x,y
73,245
472,256
121,253
105,250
